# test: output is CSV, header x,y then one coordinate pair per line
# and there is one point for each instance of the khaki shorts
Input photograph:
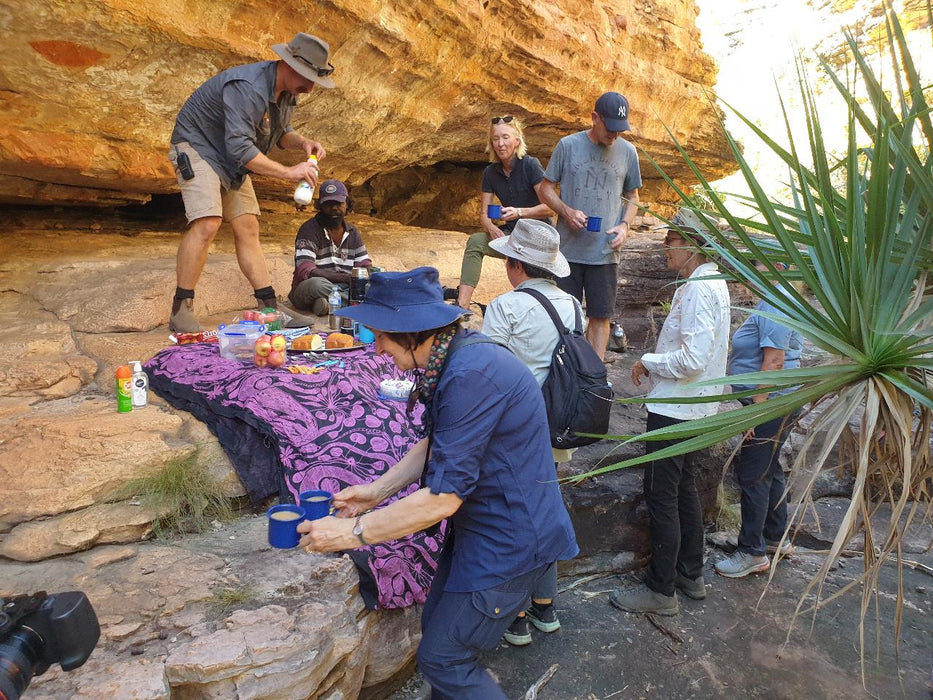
x,y
204,195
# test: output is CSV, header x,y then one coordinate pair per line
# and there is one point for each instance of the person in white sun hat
x,y
518,321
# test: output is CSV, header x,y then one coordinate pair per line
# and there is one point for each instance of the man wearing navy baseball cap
x,y
599,180
327,248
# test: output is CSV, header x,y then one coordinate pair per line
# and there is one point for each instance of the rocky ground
x,y
221,613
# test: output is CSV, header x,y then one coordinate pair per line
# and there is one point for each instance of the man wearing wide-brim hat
x,y
485,465
222,134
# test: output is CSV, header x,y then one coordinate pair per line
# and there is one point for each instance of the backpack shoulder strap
x,y
552,312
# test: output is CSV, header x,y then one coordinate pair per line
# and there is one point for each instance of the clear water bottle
x,y
333,304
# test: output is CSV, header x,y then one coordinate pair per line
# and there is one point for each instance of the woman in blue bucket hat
x,y
485,463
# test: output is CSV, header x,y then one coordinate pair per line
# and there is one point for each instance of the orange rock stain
x,y
68,53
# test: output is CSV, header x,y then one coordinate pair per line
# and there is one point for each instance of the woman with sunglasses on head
x,y
513,177
485,465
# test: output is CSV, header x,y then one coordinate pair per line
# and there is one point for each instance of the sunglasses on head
x,y
321,72
504,120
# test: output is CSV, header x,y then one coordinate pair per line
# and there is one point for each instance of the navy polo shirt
x,y
518,189
491,448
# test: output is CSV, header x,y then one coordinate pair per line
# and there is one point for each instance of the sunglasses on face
x,y
321,72
504,120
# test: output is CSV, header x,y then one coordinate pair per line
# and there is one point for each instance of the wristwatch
x,y
358,529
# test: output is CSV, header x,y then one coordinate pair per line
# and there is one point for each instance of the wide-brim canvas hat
x,y
309,56
404,302
536,243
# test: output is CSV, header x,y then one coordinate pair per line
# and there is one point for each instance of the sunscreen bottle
x,y
124,389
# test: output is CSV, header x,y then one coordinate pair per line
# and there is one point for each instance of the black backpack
x,y
576,392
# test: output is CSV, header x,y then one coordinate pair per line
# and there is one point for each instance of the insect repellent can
x,y
124,389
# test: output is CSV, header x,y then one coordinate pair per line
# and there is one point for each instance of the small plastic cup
x,y
366,335
594,223
494,211
283,525
315,504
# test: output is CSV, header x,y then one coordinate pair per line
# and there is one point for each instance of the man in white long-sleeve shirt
x,y
693,346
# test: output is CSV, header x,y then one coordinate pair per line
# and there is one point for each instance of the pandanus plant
x,y
857,234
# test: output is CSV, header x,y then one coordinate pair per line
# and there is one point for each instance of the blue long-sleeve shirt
x,y
491,447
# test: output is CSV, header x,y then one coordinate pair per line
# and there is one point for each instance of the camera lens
x,y
17,656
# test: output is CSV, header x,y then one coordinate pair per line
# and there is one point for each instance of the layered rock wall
x,y
90,88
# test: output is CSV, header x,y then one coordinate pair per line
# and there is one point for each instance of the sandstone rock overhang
x,y
90,92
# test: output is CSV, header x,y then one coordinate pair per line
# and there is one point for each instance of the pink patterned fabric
x,y
286,433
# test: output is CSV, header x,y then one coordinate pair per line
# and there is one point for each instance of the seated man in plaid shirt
x,y
327,248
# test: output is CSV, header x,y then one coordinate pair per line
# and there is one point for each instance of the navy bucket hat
x,y
404,302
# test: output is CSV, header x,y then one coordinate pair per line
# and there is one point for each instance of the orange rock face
x,y
90,106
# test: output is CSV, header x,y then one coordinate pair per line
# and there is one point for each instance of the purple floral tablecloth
x,y
287,433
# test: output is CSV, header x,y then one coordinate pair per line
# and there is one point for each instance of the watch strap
x,y
358,529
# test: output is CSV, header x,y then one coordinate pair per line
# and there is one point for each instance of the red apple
x,y
260,361
263,346
276,358
279,343
250,315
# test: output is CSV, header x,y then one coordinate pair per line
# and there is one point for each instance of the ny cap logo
x,y
622,111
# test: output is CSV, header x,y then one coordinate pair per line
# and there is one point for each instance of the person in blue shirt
x,y
485,465
761,344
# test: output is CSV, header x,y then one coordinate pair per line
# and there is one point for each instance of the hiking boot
x,y
298,319
544,617
742,564
184,320
691,587
519,633
320,307
642,599
787,548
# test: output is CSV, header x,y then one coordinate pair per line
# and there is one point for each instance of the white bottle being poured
x,y
304,193
140,385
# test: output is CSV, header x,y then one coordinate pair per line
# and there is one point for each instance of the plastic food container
x,y
237,340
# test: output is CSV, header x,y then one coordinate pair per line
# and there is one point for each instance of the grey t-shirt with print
x,y
592,179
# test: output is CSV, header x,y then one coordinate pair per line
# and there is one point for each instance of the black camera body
x,y
39,630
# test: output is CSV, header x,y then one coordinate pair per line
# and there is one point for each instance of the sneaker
x,y
642,599
519,632
184,320
742,564
787,548
544,617
451,294
694,588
